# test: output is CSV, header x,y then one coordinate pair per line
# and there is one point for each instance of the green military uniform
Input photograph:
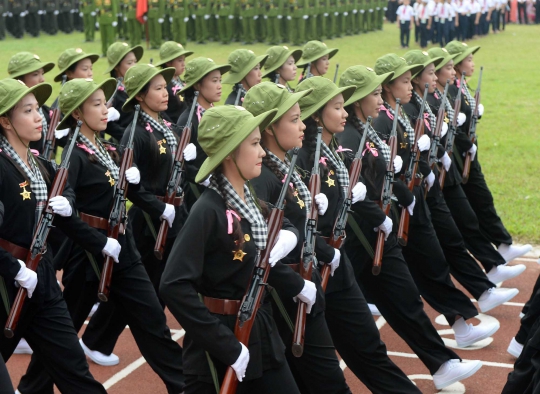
x,y
17,13
166,26
122,25
107,22
311,22
88,9
260,21
248,10
340,19
368,16
299,11
33,17
134,28
225,18
362,18
273,10
212,22
78,16
381,12
322,18
180,17
49,17
65,18
348,17
3,14
156,17
199,11
331,23
355,17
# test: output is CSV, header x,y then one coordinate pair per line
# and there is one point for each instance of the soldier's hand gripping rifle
x,y
410,175
452,130
117,217
308,253
338,233
386,193
472,128
50,138
173,186
255,290
39,243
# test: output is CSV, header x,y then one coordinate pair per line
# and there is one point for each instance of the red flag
x,y
142,9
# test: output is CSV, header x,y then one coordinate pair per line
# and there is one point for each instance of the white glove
x,y
27,279
171,19
444,129
410,208
305,17
370,10
461,118
206,17
325,14
322,203
114,24
112,249
186,19
160,20
97,25
241,363
386,227
217,17
424,143
133,175
472,151
358,192
265,16
398,163
190,153
125,18
279,16
446,161
384,9
430,179
308,294
56,12
80,14
112,114
145,18
285,243
289,17
206,182
22,14
255,17
61,133
193,16
362,11
355,11
60,206
345,13
93,13
334,264
231,16
480,109
168,214
336,13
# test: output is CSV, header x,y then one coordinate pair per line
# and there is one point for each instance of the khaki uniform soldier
x,y
133,26
260,26
322,18
88,10
156,17
166,33
248,16
225,17
3,14
200,14
363,10
356,26
332,19
49,17
33,17
369,15
17,13
65,18
211,22
273,9
180,18
382,11
297,33
348,17
107,22
311,23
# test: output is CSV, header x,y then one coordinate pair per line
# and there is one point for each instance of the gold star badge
x,y
330,182
238,255
247,238
162,150
111,179
405,134
301,203
25,193
402,145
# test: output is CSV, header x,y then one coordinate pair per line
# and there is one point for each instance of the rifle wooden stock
x,y
39,242
172,188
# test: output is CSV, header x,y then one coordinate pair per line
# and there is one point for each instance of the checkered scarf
x,y
247,209
447,105
163,128
101,154
432,118
373,137
43,123
467,93
341,171
177,83
274,163
37,183
403,119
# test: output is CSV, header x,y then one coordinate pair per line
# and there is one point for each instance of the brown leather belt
x,y
94,221
176,202
16,251
222,306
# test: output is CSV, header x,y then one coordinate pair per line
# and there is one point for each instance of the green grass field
x,y
508,137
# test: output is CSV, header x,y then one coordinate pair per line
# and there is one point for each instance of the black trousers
x,y
5,381
50,333
481,201
468,223
358,342
532,314
522,10
138,304
462,266
463,28
424,35
429,267
404,33
533,292
525,378
397,298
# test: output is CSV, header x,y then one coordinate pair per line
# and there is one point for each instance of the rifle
x,y
254,292
386,194
336,73
277,79
472,129
452,130
111,100
173,187
239,90
48,147
338,233
39,243
410,175
117,216
308,253
308,71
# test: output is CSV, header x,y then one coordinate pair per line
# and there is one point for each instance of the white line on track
x,y
177,334
519,304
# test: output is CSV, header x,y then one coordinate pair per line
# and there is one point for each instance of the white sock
x,y
503,248
460,327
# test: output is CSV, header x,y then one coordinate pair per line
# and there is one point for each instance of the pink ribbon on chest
x,y
426,121
230,213
86,149
342,149
149,128
176,89
388,113
373,151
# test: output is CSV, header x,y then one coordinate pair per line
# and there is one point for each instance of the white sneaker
x,y
521,315
511,252
374,310
492,298
100,358
93,310
453,371
515,348
477,333
501,273
23,347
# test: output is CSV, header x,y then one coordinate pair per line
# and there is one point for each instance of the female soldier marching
x,y
315,59
280,67
244,74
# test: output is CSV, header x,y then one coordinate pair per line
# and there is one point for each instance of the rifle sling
x,y
4,294
360,235
281,307
150,225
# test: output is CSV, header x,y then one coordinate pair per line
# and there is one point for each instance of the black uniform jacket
x,y
201,261
176,105
17,226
